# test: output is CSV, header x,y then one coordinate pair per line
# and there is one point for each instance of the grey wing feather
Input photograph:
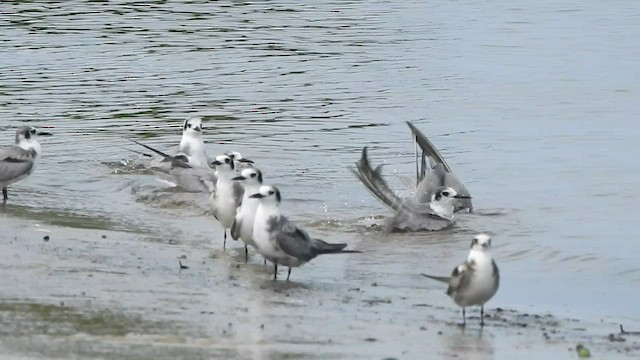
x,y
427,147
418,218
373,181
460,278
15,162
238,193
408,215
176,161
291,239
442,174
432,180
496,272
235,229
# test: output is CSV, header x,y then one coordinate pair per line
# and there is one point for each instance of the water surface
x,y
534,106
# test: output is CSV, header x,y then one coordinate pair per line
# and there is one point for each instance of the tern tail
x,y
323,247
444,279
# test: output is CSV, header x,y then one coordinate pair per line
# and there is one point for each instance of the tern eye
x,y
445,193
271,192
226,161
32,131
253,175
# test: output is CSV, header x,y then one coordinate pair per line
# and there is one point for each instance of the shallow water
x,y
534,106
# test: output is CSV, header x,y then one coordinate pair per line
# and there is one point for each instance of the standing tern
x,y
192,144
281,241
227,195
476,280
19,161
410,215
242,228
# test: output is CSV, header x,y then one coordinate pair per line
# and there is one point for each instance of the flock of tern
x,y
249,209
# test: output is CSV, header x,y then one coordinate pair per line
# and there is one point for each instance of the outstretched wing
x,y
427,147
433,164
373,181
15,163
176,161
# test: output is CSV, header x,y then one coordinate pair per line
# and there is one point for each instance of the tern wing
x,y
176,161
236,226
238,193
427,147
291,239
15,164
432,180
460,278
373,181
443,175
417,218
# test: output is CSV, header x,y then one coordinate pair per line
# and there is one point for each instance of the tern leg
x,y
5,195
288,274
224,244
464,317
482,315
265,261
275,271
246,254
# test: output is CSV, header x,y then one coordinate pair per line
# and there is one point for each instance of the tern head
x,y
446,195
25,133
192,126
223,162
250,176
268,194
237,157
481,242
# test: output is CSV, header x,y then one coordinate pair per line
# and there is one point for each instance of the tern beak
x,y
43,133
256,196
239,178
216,163
245,161
462,197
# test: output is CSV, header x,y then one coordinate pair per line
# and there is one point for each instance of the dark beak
x,y
256,196
245,161
43,133
198,129
239,178
462,197
216,163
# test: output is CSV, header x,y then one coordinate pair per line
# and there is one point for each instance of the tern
x,y
19,161
476,281
432,213
281,241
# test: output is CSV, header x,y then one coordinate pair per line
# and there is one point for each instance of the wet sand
x,y
96,293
